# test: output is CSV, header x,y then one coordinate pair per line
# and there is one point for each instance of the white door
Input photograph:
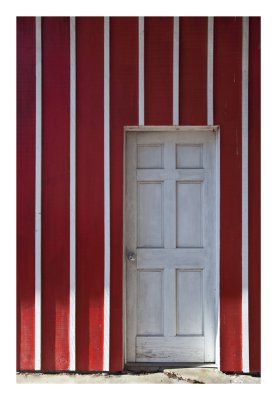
x,y
170,236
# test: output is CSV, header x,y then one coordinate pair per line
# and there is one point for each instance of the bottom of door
x,y
160,366
173,349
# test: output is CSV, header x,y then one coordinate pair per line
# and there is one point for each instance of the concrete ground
x,y
179,376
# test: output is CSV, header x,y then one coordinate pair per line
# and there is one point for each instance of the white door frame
x,y
191,129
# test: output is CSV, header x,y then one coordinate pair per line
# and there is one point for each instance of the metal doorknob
x,y
131,256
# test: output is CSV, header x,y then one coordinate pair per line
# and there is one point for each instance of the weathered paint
x,y
123,111
55,192
193,70
89,190
38,197
227,114
25,192
254,185
196,44
158,53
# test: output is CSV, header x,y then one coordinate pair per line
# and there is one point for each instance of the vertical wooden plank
x,y
193,70
158,33
55,193
72,308
245,306
227,114
25,192
254,185
131,244
210,72
89,192
141,70
107,220
175,110
123,111
38,199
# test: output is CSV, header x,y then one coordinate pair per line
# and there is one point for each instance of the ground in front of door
x,y
181,375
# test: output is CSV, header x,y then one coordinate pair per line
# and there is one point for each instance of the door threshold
x,y
157,366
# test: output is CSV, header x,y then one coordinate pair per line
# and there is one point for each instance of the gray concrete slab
x,y
209,375
168,376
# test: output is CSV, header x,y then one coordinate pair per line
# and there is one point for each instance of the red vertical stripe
x,y
158,52
90,193
254,186
123,111
25,205
193,70
227,114
55,193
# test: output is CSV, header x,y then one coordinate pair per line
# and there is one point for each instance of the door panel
x,y
150,302
189,294
170,202
150,214
189,214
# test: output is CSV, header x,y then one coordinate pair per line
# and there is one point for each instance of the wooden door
x,y
170,232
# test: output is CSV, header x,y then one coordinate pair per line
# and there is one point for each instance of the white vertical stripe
x,y
107,192
245,316
217,348
72,193
176,71
210,70
141,70
38,201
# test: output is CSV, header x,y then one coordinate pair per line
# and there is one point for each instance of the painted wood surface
x,y
193,70
90,191
227,113
170,296
25,192
254,194
156,72
158,53
55,193
123,111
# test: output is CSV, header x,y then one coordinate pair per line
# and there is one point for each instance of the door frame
x,y
178,128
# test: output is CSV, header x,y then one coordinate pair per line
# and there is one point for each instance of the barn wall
x,y
124,110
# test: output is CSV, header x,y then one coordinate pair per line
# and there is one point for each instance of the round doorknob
x,y
131,257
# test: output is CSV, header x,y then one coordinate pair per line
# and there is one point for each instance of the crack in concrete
x,y
172,375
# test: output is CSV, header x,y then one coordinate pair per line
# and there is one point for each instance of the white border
x,y
217,244
38,201
106,360
210,71
72,310
175,110
141,70
245,316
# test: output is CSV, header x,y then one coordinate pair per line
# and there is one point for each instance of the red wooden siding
x,y
158,42
254,195
25,204
123,111
193,70
158,90
55,193
89,193
227,114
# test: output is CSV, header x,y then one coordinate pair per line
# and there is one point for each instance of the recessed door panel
x,y
189,311
150,302
189,214
150,214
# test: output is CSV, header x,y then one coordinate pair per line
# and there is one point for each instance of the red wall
x,y
90,172
227,114
254,194
25,199
89,190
